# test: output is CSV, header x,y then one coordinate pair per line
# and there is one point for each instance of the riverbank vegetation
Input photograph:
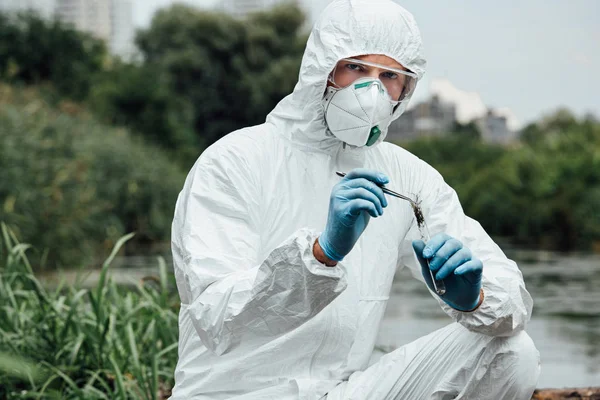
x,y
70,342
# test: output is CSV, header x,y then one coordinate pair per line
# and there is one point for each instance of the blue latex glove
x,y
353,201
453,263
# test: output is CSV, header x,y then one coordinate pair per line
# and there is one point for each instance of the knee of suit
x,y
525,358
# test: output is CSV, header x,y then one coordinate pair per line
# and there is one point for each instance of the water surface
x,y
565,325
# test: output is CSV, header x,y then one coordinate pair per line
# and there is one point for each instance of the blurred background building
x,y
93,16
429,118
438,117
494,128
122,39
109,20
43,7
240,8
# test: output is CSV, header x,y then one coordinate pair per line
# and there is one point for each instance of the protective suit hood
x,y
346,28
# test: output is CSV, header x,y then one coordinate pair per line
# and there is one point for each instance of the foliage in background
x,y
544,192
70,180
202,74
137,97
68,183
73,343
209,72
35,51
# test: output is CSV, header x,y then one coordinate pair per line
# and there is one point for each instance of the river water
x,y
565,325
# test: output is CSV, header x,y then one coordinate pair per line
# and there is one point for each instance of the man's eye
x,y
354,67
390,75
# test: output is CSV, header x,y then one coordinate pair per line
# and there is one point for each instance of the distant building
x,y
44,8
122,29
92,16
109,20
494,129
430,118
240,8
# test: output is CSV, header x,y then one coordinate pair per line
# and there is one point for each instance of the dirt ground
x,y
567,394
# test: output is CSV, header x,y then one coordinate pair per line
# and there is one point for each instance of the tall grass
x,y
75,343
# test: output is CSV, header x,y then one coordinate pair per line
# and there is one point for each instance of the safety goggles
x,y
399,84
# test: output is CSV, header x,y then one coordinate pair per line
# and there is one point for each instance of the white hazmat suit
x,y
261,318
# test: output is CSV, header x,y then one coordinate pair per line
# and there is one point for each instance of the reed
x,y
70,342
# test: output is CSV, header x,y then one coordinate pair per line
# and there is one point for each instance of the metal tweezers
x,y
438,285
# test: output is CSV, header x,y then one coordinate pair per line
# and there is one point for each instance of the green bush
x,y
544,192
137,97
229,72
74,343
69,183
201,74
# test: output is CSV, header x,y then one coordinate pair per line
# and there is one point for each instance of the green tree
x,y
544,192
468,130
232,72
34,51
458,157
137,97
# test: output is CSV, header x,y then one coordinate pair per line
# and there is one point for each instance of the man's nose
x,y
374,74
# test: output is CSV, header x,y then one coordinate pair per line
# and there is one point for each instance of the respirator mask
x,y
364,98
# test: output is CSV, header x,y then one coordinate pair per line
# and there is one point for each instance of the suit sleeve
x,y
233,297
507,304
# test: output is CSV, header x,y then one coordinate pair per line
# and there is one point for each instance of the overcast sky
x,y
529,56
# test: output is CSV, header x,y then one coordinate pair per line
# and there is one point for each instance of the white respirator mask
x,y
359,107
360,113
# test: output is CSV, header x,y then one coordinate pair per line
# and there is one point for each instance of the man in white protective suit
x,y
284,268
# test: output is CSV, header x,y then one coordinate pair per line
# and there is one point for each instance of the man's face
x,y
346,72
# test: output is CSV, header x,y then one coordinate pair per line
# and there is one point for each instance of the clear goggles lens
x,y
399,84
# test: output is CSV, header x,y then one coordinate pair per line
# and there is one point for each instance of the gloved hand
x,y
453,263
353,201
